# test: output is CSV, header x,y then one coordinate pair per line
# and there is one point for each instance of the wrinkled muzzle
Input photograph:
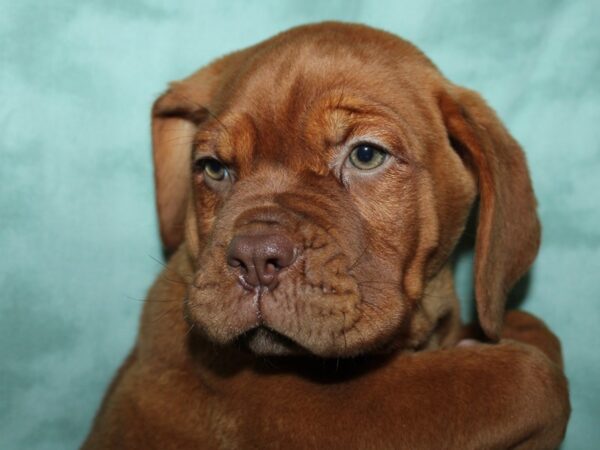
x,y
288,272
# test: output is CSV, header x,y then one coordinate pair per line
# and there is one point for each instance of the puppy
x,y
311,190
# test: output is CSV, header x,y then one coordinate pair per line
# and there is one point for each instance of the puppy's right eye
x,y
367,156
212,168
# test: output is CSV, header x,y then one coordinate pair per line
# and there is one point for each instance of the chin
x,y
263,341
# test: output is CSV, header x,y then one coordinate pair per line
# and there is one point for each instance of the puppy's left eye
x,y
212,168
367,156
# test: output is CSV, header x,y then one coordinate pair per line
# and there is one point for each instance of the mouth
x,y
319,306
262,340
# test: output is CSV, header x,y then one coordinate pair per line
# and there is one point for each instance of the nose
x,y
260,258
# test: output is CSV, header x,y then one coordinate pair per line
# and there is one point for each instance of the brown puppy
x,y
312,189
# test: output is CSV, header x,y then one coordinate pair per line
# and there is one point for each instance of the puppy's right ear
x,y
508,230
176,116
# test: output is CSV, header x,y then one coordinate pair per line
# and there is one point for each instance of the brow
x,y
354,112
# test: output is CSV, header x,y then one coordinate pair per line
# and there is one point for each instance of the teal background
x,y
78,234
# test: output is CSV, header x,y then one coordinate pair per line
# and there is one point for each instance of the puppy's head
x,y
321,179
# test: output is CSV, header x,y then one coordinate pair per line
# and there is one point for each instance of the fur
x,y
356,347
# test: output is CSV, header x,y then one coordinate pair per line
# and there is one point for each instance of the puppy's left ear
x,y
508,230
176,116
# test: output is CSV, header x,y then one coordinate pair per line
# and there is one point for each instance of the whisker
x,y
166,313
392,283
433,296
360,256
372,306
344,333
373,288
173,271
151,300
190,329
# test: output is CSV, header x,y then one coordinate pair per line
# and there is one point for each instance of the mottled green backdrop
x,y
78,237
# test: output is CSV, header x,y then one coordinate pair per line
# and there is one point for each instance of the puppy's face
x,y
323,192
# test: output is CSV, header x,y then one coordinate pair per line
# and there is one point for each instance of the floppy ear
x,y
175,119
508,230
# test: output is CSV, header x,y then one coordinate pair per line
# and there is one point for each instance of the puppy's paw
x,y
526,328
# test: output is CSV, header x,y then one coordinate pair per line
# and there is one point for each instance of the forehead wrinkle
x,y
341,107
234,144
377,120
345,122
241,141
280,134
337,127
204,142
269,178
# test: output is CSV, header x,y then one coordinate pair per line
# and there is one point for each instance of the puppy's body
x,y
294,252
175,391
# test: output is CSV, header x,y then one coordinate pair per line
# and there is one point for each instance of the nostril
x,y
234,262
260,258
237,263
272,265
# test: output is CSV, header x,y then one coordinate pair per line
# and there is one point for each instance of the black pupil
x,y
213,166
365,153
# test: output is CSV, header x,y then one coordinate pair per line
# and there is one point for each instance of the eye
x,y
212,168
367,156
